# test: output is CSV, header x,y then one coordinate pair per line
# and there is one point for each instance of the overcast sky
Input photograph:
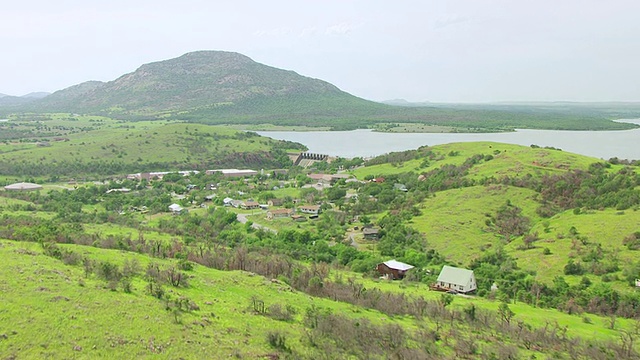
x,y
442,51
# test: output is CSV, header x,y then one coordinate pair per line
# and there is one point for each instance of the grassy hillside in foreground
x,y
53,310
60,145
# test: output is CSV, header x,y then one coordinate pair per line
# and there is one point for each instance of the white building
x,y
457,279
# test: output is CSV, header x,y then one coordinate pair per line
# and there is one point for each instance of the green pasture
x,y
454,221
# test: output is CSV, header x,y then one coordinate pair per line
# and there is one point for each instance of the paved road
x,y
243,219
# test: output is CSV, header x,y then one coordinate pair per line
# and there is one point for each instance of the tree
x,y
445,300
505,313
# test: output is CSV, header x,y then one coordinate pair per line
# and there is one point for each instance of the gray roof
x,y
370,231
397,265
23,186
454,275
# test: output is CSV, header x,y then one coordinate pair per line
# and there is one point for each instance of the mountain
x,y
403,102
195,81
16,101
218,87
36,95
13,101
64,100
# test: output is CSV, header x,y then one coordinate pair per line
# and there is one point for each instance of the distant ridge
x,y
36,95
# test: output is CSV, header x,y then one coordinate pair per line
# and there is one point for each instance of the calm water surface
x,y
366,143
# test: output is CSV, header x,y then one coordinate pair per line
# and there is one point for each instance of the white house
x,y
175,208
453,278
310,209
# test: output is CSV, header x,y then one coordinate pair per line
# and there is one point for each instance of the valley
x,y
162,266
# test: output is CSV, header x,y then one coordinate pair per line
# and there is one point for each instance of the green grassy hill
x,y
570,210
56,309
63,145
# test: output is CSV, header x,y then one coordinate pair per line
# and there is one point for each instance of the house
x,y
175,208
328,179
279,213
393,269
400,187
236,203
310,209
298,218
457,279
275,202
233,172
370,233
249,205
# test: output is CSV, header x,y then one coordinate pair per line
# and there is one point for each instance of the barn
x,y
393,269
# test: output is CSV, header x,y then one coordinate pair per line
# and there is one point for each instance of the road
x,y
243,219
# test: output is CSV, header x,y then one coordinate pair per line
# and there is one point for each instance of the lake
x,y
624,144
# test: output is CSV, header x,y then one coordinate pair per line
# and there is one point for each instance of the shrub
x,y
185,265
277,340
573,268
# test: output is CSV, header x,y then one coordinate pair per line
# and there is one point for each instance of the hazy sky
x,y
453,51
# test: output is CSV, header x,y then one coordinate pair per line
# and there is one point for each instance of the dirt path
x,y
243,219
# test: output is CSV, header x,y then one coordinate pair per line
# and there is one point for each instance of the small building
x,y
298,218
23,186
279,213
275,202
393,269
233,172
400,187
250,205
121,190
175,208
370,233
310,209
457,279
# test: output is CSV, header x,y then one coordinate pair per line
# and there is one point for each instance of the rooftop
x,y
23,186
397,265
454,275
